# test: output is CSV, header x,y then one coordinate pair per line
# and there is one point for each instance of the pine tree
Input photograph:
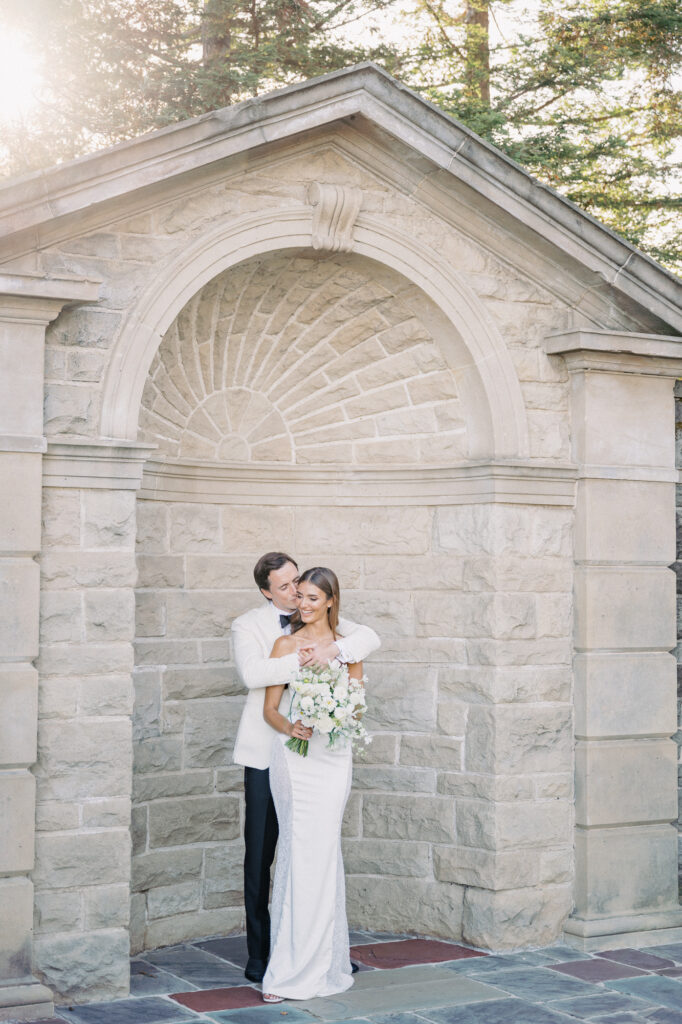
x,y
587,103
114,69
585,100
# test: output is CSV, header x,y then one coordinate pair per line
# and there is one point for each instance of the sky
x,y
20,69
19,76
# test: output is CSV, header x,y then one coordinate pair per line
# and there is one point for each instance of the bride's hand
x,y
306,655
317,655
300,731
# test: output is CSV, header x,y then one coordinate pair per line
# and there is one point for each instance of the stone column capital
x,y
95,463
30,298
617,352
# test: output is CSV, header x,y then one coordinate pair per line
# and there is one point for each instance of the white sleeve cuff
x,y
341,656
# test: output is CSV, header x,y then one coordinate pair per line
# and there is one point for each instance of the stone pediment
x,y
403,138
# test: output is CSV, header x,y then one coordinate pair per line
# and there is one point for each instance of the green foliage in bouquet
x,y
326,699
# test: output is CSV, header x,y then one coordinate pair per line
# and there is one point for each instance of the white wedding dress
x,y
309,954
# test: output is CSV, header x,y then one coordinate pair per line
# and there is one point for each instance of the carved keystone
x,y
335,210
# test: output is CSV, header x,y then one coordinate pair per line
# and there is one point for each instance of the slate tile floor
x,y
406,980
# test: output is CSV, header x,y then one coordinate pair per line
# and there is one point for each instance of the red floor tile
x,y
637,958
406,952
219,998
596,970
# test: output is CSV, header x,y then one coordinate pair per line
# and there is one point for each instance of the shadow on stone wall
x,y
678,570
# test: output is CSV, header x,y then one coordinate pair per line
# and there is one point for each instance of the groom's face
x,y
282,590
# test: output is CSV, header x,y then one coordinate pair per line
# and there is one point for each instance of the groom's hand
x,y
318,654
306,655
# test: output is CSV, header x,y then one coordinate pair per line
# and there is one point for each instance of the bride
x,y
309,954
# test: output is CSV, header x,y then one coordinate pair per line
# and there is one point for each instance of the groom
x,y
253,635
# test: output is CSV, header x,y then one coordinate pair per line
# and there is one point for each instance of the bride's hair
x,y
327,582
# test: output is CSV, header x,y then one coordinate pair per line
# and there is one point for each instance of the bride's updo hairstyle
x,y
326,581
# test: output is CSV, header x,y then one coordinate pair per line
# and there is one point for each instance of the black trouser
x,y
260,840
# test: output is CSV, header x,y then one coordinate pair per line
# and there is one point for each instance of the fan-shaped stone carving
x,y
302,360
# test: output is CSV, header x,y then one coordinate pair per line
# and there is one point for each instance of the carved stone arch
x,y
491,394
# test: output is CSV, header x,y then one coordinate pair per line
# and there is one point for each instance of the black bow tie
x,y
283,621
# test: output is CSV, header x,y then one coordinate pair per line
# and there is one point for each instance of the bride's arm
x,y
355,672
273,694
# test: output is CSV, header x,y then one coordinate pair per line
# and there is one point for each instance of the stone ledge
x,y
474,483
652,929
31,443
25,1002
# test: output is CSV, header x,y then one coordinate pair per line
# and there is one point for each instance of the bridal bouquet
x,y
325,698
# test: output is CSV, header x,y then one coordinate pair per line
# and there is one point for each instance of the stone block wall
x,y
84,770
306,360
460,817
187,814
678,571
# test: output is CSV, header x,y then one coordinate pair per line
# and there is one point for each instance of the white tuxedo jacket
x,y
253,637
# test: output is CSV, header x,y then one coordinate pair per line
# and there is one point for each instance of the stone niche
x,y
331,321
305,360
301,360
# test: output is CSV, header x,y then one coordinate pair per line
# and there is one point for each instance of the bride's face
x,y
312,602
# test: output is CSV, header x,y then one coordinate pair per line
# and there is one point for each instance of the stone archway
x,y
475,347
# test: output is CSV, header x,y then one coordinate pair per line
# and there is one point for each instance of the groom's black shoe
x,y
354,967
254,970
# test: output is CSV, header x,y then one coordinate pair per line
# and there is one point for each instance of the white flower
x,y
325,724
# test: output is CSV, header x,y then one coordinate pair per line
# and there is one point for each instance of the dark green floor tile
x,y
393,1018
148,980
562,954
658,991
626,1017
498,962
150,1010
538,984
666,1016
413,995
499,1011
277,1014
587,1007
673,951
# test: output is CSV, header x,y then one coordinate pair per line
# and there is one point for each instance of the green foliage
x,y
587,104
585,98
114,69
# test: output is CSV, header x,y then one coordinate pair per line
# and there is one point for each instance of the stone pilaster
x,y
623,442
27,306
84,774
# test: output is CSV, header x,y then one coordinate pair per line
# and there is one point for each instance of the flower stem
x,y
298,746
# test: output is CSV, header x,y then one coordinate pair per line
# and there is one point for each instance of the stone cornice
x,y
363,91
249,484
618,352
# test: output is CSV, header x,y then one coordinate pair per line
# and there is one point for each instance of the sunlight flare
x,y
19,77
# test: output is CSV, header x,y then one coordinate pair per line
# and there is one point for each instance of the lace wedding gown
x,y
309,953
